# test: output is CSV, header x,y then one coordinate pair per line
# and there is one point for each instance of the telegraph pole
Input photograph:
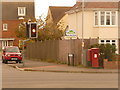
x,y
82,58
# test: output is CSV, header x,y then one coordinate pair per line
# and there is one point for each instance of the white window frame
x,y
21,11
99,18
95,18
106,18
4,43
105,42
5,27
116,42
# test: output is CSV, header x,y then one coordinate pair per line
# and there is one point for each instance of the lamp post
x,y
82,31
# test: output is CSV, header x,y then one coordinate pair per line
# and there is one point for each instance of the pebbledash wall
x,y
58,49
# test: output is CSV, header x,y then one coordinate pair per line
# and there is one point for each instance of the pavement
x,y
30,65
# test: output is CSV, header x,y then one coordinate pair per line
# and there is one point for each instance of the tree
x,y
22,33
21,29
49,31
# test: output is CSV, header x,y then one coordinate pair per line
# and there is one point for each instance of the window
x,y
5,27
102,40
96,18
102,18
105,18
112,42
113,18
4,43
21,11
10,43
107,40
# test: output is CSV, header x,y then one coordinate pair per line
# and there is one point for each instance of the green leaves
x,y
106,50
50,32
21,31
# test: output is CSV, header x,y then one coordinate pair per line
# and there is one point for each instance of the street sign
x,y
70,33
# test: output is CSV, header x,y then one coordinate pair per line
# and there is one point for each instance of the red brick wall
x,y
10,33
111,64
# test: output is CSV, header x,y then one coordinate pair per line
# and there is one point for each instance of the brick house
x,y
100,21
13,13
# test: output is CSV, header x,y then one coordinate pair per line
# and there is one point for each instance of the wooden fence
x,y
58,49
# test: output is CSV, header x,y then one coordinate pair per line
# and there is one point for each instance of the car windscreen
x,y
12,49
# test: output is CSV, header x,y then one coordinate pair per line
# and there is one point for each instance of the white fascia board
x,y
7,38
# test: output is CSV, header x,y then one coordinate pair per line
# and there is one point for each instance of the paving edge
x,y
59,71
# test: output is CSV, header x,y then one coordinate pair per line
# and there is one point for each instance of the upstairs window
x,y
21,11
96,18
105,18
5,27
102,18
113,18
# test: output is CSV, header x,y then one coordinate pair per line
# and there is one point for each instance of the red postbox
x,y
95,57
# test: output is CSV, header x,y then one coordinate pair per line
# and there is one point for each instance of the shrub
x,y
107,51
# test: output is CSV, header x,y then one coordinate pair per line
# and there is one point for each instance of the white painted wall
x,y
90,30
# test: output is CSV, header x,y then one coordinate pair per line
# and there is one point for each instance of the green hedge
x,y
107,51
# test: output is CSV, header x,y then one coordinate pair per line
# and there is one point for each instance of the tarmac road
x,y
13,78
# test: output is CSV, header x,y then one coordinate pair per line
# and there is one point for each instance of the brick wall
x,y
111,64
10,33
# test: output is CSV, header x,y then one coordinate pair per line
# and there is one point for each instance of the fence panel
x,y
58,49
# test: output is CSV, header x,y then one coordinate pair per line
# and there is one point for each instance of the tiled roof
x,y
58,12
78,5
9,10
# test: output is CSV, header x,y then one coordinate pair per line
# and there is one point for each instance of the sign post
x,y
23,52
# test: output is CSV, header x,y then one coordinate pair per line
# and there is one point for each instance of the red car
x,y
11,53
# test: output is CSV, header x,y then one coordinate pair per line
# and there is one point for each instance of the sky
x,y
41,6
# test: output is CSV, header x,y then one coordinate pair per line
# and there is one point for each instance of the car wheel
x,y
6,62
16,61
20,62
3,61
